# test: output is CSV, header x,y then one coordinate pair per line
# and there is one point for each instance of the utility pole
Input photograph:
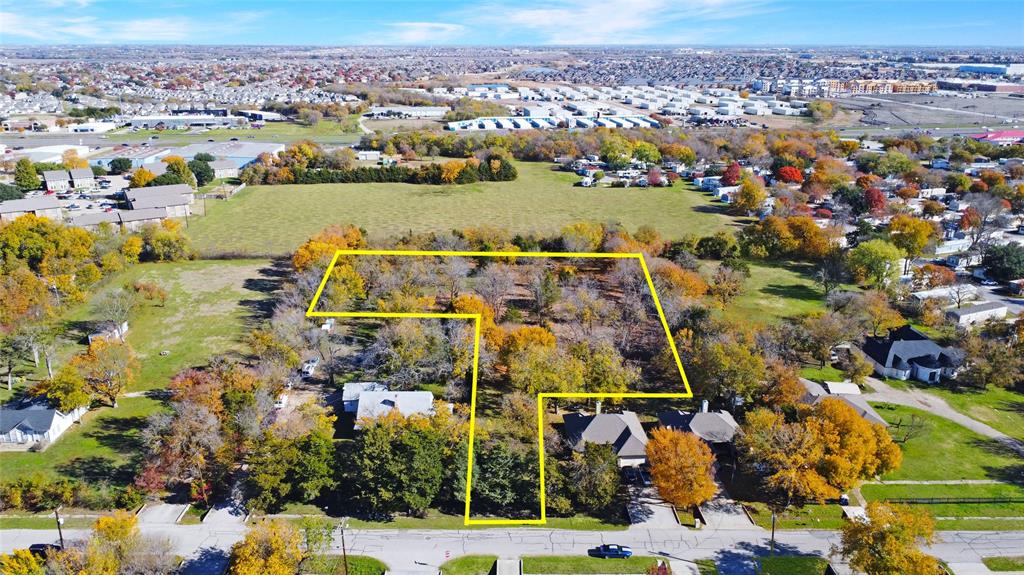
x,y
60,521
773,532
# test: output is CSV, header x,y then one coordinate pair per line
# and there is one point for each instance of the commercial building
x,y
42,206
239,153
182,121
139,155
423,112
128,220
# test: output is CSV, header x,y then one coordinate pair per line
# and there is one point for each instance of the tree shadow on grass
x,y
792,291
270,280
744,557
96,469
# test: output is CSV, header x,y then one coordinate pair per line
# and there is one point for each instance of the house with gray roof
x,y
42,206
716,428
374,404
969,315
815,394
175,199
352,391
29,423
82,179
224,169
130,220
907,353
57,180
622,431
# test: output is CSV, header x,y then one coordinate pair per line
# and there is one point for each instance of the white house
x,y
29,423
907,353
970,315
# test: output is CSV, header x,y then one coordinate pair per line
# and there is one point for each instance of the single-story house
x,y
42,206
30,422
368,155
972,314
351,392
907,353
815,393
714,427
224,169
374,404
57,180
620,430
946,294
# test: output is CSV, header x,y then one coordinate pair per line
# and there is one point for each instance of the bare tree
x,y
495,284
116,306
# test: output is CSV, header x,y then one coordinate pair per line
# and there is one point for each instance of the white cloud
x,y
89,29
419,33
613,22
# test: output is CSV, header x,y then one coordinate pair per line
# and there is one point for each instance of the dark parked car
x,y
40,549
611,552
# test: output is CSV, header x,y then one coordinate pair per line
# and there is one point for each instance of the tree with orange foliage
x,y
682,467
451,170
888,541
525,337
790,175
320,248
141,177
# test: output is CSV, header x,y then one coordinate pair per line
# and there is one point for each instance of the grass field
x,y
878,492
1002,409
1004,563
777,290
206,313
586,565
943,450
806,517
469,565
325,132
356,565
276,219
800,565
438,520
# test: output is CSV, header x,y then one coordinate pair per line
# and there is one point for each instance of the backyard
x,y
209,306
276,219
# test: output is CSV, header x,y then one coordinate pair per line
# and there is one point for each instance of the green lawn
x,y
276,219
325,132
469,565
1006,515
1002,409
585,565
331,564
793,565
44,521
206,313
438,520
943,450
822,374
707,567
776,290
1004,563
806,517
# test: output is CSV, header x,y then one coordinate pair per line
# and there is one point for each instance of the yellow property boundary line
x,y
310,312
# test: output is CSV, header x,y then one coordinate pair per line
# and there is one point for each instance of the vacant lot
x,y
777,290
276,219
1000,408
209,306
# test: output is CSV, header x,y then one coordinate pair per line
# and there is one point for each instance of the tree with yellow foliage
x,y
320,248
682,467
750,197
269,548
493,334
451,170
141,177
108,367
886,543
21,562
525,337
116,534
70,160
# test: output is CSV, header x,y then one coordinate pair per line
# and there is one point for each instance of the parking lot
x,y
79,202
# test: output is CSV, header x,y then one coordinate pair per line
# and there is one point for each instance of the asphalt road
x,y
416,550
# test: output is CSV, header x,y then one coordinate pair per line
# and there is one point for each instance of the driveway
x,y
647,510
722,512
1014,305
161,513
937,406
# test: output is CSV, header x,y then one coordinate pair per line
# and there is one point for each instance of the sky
x,y
515,22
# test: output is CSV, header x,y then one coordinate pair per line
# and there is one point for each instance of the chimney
x,y
597,407
704,406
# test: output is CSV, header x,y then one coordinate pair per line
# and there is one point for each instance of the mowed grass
x,y
1004,563
1002,409
799,565
1001,509
324,132
276,219
469,565
207,312
807,517
777,290
585,565
939,449
437,520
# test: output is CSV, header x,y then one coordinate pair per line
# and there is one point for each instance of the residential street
x,y
415,550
